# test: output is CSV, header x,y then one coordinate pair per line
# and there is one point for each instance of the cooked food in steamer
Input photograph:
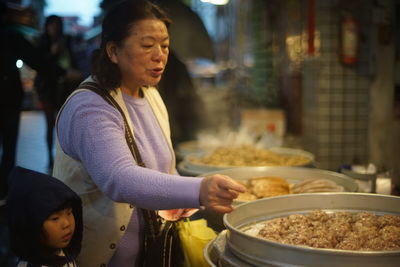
x,y
362,231
274,186
269,186
264,187
316,185
246,196
247,155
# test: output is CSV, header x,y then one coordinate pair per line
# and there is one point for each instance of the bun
x,y
269,186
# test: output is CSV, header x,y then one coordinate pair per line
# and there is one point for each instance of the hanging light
x,y
216,2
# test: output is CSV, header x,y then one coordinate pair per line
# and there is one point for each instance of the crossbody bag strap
x,y
128,133
153,222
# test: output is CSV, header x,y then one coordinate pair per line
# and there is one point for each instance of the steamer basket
x,y
189,166
261,252
291,174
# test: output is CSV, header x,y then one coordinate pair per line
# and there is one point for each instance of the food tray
x,y
200,168
292,174
261,252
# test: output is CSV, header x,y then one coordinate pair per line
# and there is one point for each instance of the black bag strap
x,y
153,221
128,133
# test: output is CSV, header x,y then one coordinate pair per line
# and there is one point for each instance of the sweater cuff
x,y
189,191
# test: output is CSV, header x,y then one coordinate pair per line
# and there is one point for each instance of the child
x,y
45,220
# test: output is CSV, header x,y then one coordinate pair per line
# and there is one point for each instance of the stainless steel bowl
x,y
291,174
261,252
189,166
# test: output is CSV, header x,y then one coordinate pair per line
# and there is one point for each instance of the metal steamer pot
x,y
250,250
188,167
291,174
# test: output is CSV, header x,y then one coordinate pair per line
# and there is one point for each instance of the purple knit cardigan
x,y
92,131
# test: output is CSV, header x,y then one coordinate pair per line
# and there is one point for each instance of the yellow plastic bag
x,y
194,236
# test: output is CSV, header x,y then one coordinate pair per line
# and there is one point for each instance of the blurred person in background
x,y
53,91
14,46
185,106
96,159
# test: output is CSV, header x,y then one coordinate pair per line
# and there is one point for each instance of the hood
x,y
32,197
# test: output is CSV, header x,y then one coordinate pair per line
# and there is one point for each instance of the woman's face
x,y
142,56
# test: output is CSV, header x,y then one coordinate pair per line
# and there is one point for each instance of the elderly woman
x,y
94,158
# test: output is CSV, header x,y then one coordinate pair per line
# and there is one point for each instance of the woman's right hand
x,y
217,193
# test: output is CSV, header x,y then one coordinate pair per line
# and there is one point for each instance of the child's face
x,y
59,228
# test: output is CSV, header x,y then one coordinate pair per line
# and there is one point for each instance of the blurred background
x,y
317,75
280,63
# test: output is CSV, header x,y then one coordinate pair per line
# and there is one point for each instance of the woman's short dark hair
x,y
116,28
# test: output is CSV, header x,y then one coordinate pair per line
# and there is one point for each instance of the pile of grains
x,y
362,231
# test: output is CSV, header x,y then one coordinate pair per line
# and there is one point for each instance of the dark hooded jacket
x,y
32,197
